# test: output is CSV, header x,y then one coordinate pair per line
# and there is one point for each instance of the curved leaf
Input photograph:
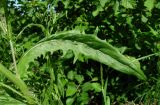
x,y
81,45
103,46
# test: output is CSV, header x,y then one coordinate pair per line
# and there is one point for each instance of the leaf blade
x,y
82,45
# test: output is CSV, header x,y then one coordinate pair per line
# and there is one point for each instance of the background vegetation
x,y
57,52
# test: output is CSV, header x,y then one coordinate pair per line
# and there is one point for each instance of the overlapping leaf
x,y
81,45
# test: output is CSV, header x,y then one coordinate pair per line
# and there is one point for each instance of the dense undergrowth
x,y
84,52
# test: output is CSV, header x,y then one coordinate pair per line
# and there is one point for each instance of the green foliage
x,y
129,4
19,83
57,66
149,4
7,100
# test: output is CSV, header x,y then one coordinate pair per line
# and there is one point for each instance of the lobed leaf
x,y
82,45
100,45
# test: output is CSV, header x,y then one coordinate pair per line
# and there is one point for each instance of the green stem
x,y
101,70
102,85
9,33
150,55
14,58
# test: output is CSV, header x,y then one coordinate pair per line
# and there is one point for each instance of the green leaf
x,y
154,32
91,86
144,19
103,46
7,100
96,12
70,75
158,5
83,98
79,78
86,87
103,2
71,89
19,83
134,60
107,100
149,4
116,8
66,3
96,87
88,46
70,101
129,4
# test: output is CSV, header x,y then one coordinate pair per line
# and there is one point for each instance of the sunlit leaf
x,y
129,3
103,2
149,4
70,75
116,8
70,101
144,19
84,98
86,87
71,89
79,78
8,100
158,5
96,12
96,87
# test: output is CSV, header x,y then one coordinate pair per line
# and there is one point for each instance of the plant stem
x,y
14,58
102,85
150,55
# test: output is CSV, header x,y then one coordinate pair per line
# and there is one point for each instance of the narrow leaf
x,y
18,82
88,46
